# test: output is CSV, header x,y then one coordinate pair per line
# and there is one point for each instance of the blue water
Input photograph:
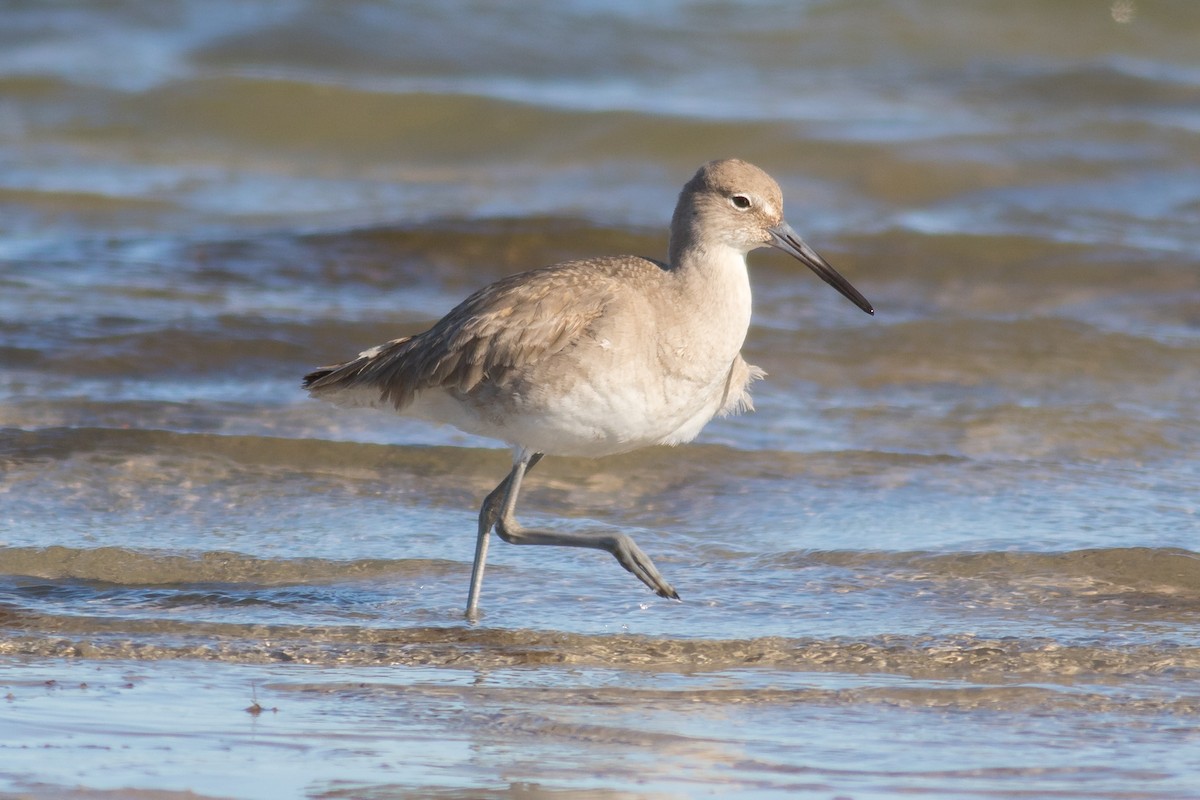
x,y
953,551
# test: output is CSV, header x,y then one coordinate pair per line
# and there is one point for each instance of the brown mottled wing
x,y
513,323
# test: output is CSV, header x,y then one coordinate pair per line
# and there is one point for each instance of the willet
x,y
594,357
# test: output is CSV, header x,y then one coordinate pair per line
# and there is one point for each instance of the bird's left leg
x,y
488,513
621,546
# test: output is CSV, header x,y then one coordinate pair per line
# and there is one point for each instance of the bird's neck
x,y
712,279
705,261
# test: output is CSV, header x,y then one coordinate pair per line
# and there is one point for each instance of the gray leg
x,y
622,547
488,513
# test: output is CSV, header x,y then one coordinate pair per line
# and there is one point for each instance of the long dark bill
x,y
786,240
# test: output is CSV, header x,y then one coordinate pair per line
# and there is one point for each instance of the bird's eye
x,y
740,202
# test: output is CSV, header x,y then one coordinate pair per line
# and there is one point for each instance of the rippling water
x,y
954,551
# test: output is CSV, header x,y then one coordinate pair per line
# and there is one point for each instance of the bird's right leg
x,y
621,546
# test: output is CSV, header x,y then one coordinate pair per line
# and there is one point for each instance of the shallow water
x,y
953,551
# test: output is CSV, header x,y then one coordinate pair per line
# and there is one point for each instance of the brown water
x,y
953,552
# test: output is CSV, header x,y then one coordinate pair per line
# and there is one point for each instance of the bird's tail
x,y
356,382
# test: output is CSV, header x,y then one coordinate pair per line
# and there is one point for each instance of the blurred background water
x,y
954,551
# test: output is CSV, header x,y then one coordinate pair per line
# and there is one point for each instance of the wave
x,y
123,603
119,566
933,658
1170,572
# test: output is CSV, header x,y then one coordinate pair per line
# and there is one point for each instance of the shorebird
x,y
593,357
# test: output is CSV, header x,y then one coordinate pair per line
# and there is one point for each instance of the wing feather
x,y
490,337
